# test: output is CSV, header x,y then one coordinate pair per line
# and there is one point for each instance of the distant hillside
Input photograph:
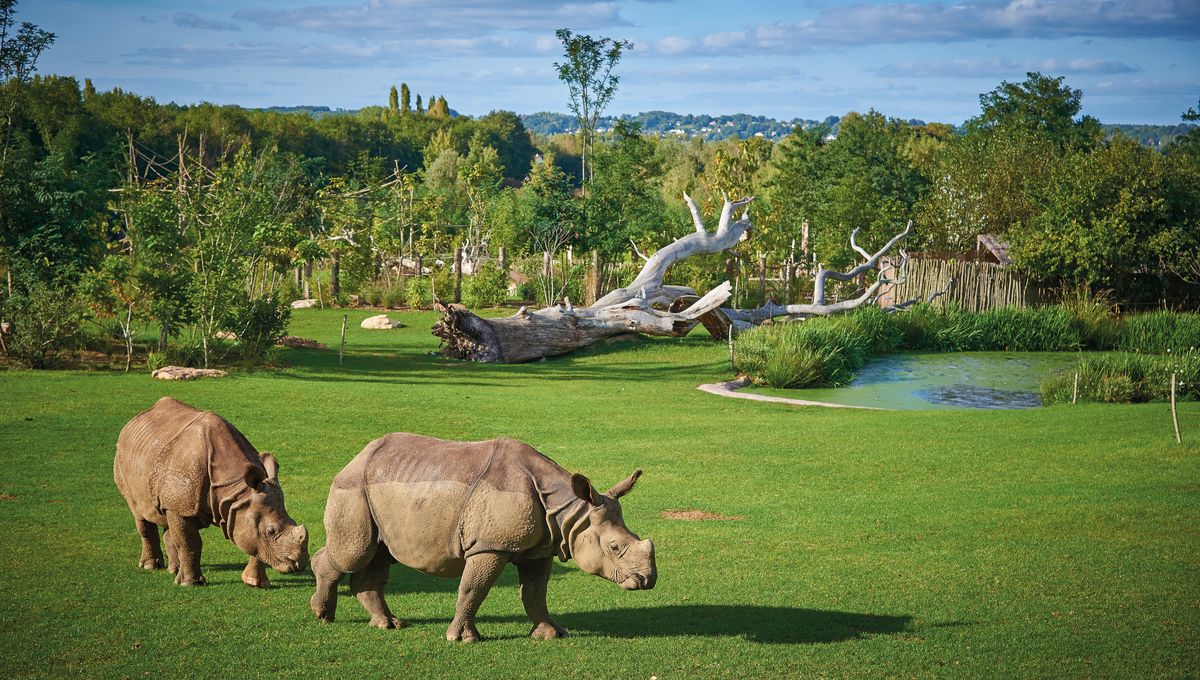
x,y
740,125
664,123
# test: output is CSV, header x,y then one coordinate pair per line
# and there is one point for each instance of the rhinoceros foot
x,y
547,631
198,581
323,611
387,622
151,563
462,632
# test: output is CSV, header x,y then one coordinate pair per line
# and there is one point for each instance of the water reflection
x,y
988,380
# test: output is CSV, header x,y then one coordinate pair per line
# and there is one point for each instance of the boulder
x,y
304,304
185,373
226,335
380,322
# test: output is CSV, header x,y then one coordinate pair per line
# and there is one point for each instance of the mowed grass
x,y
1054,542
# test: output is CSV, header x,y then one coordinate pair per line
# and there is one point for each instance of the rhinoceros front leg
x,y
478,577
151,557
185,531
534,576
324,600
255,574
368,586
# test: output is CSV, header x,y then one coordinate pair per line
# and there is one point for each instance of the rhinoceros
x,y
183,469
450,508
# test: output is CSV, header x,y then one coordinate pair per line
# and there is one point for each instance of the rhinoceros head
x,y
606,547
262,527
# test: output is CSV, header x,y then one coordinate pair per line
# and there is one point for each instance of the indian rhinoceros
x,y
468,508
183,469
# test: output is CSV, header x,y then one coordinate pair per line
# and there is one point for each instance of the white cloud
x,y
1000,68
934,22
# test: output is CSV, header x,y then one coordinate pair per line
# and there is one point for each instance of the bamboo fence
x,y
978,286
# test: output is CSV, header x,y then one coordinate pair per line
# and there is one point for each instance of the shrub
x,y
416,292
259,324
1093,316
372,294
1160,331
814,353
487,288
46,322
395,294
1124,377
187,352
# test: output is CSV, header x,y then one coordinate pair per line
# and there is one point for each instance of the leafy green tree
x,y
625,202
1040,105
1101,217
587,69
393,101
438,108
405,99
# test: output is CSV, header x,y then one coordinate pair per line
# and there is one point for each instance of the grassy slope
x,y
1053,542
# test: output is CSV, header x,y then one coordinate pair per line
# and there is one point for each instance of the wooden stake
x,y
1174,413
1075,390
730,334
342,349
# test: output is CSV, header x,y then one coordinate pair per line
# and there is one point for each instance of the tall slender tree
x,y
405,98
587,69
393,101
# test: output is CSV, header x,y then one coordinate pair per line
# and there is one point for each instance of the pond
x,y
908,381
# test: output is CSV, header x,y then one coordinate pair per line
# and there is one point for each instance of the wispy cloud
x,y
999,68
189,20
934,22
437,17
322,56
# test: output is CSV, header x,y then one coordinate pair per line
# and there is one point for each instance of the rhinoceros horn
x,y
625,485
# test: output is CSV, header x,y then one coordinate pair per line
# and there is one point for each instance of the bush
x,y
1158,332
1094,318
372,294
46,321
259,324
395,294
815,353
416,293
188,352
487,288
1124,377
1040,329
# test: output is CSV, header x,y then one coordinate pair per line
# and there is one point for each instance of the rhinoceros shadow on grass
x,y
768,625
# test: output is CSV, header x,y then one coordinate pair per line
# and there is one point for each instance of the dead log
x,y
646,306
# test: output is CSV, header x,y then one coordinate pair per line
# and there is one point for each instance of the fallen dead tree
x,y
646,306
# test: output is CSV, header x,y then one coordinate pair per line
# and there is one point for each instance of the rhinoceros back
x,y
436,502
165,456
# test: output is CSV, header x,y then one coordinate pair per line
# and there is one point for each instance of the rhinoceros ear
x,y
271,465
623,488
584,489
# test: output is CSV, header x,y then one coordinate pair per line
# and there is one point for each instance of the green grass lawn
x,y
1058,542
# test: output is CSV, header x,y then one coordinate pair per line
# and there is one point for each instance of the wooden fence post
x,y
1174,413
342,349
458,273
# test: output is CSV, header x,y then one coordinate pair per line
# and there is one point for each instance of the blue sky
x,y
1137,61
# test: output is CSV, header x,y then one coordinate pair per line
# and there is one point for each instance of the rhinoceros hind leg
x,y
324,600
255,574
151,557
478,577
534,576
168,540
185,531
368,586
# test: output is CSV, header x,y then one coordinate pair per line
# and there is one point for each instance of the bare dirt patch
x,y
7,497
697,515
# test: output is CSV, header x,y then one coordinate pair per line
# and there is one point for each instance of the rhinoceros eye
x,y
614,546
271,531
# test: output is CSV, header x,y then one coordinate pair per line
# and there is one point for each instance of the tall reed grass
x,y
1124,377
